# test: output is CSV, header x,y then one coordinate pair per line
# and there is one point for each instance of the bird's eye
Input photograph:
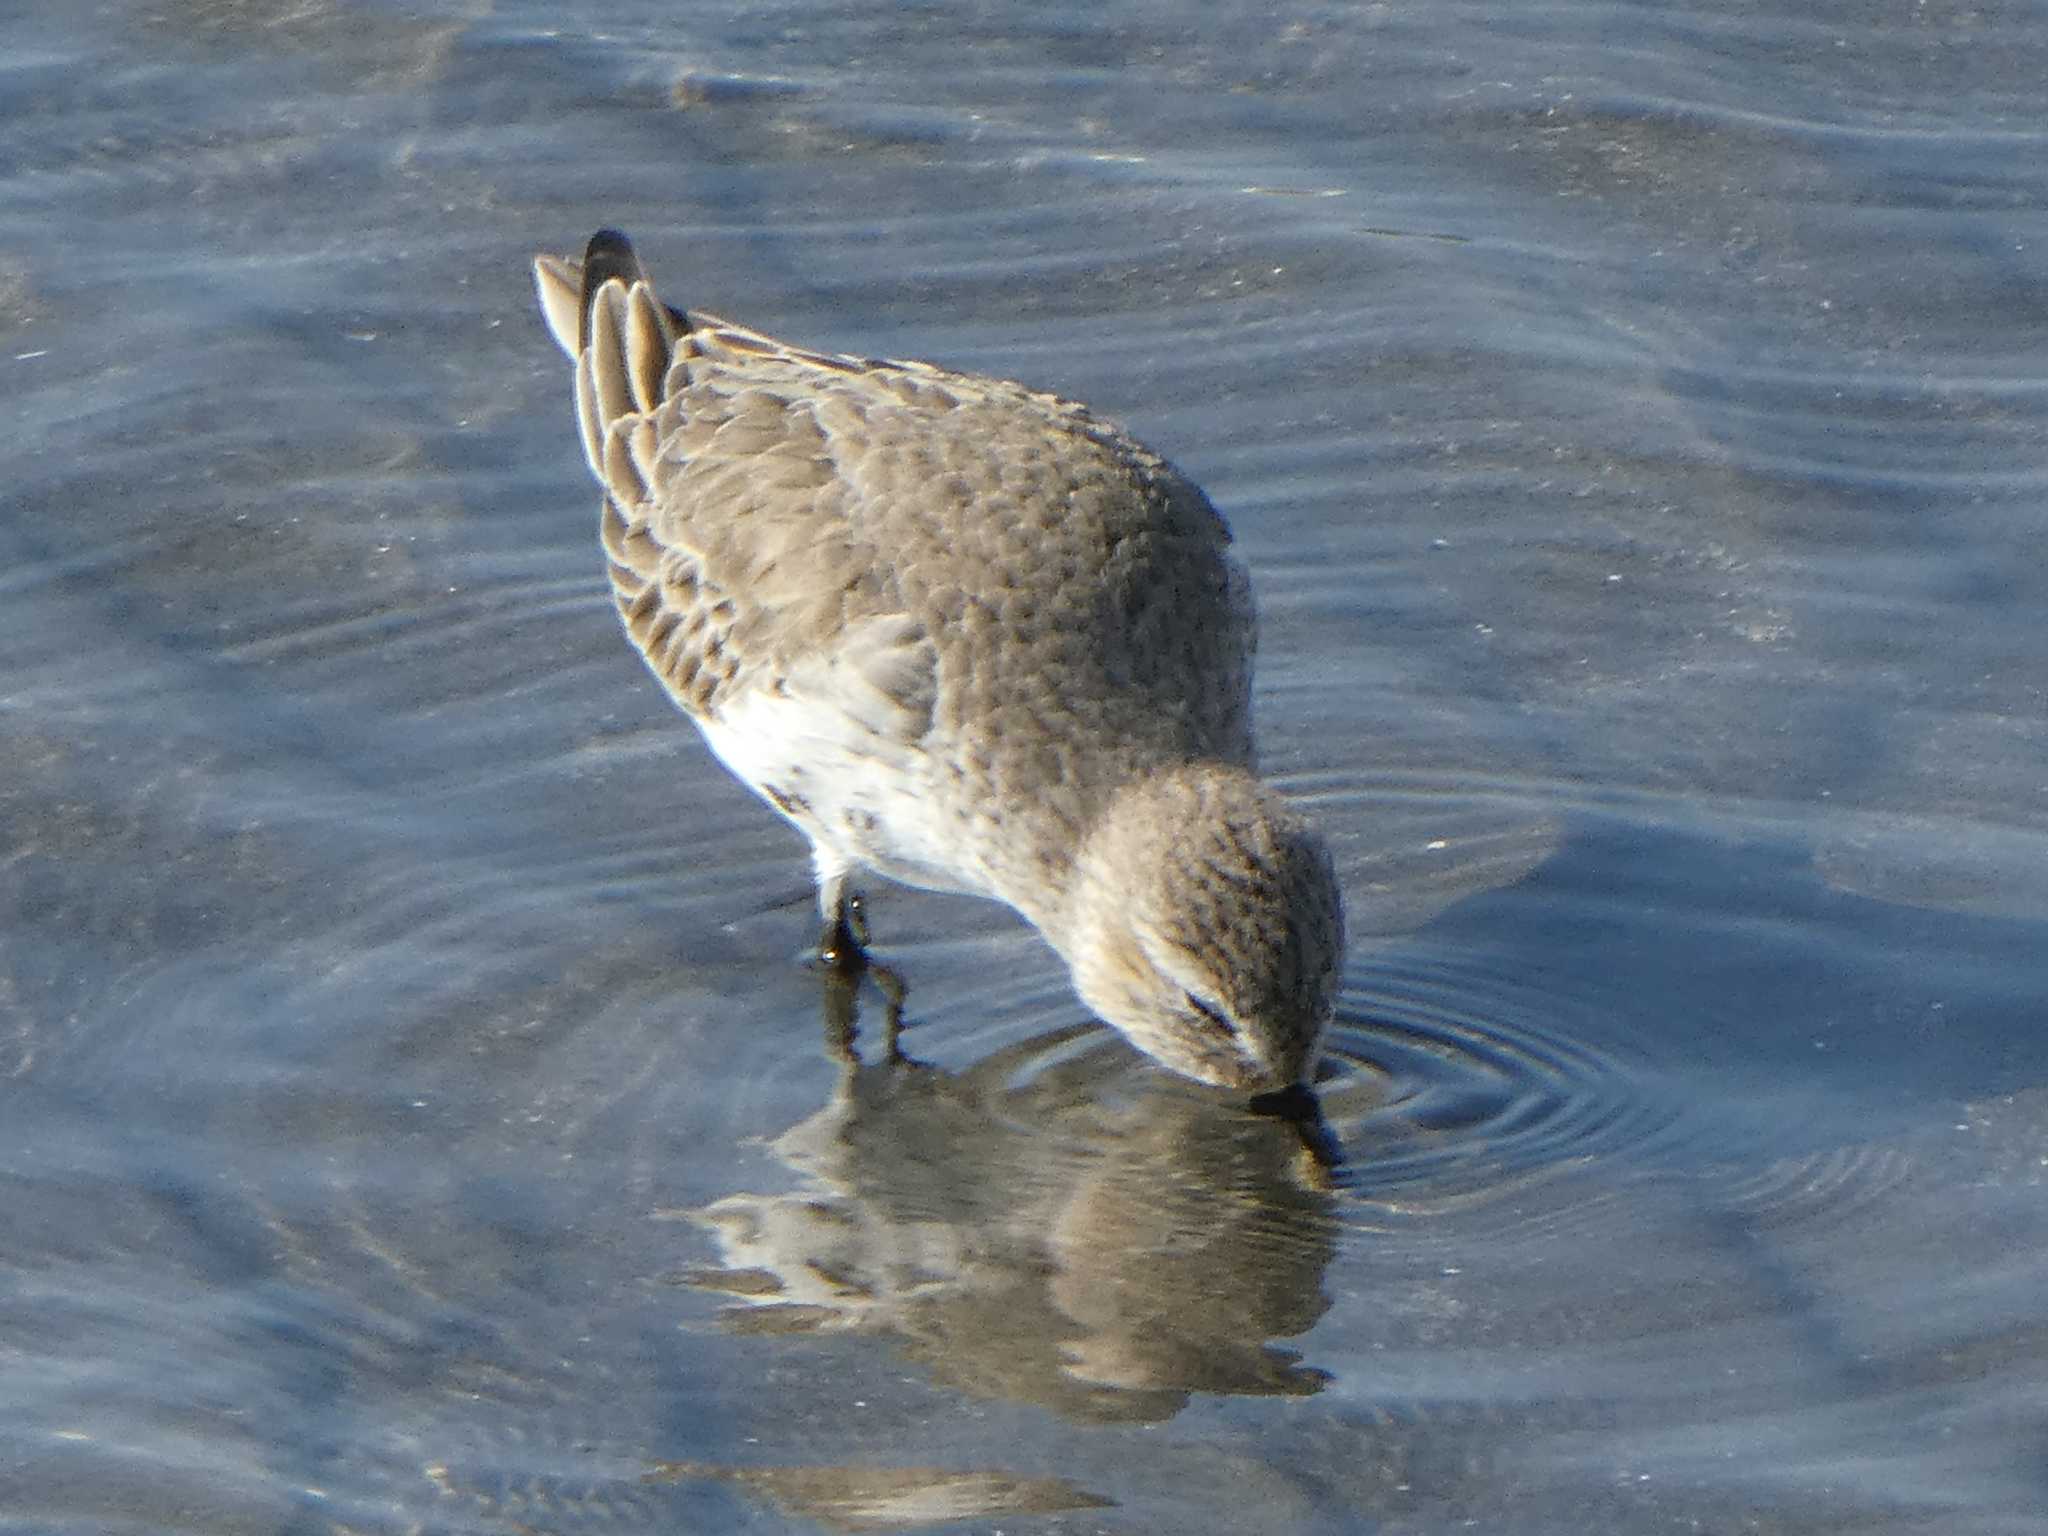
x,y
1209,1013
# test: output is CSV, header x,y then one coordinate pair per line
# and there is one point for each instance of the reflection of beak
x,y
1322,1152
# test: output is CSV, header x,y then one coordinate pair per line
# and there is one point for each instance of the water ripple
x,y
1448,1083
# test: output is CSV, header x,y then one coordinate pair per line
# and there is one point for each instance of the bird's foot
x,y
843,945
842,954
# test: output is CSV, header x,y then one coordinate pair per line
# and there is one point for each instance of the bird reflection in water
x,y
1049,1225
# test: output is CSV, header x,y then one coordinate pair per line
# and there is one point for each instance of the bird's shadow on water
x,y
1050,1225
1061,1224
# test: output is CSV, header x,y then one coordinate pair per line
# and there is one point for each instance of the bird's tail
x,y
603,314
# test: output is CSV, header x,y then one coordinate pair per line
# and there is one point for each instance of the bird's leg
x,y
843,953
842,944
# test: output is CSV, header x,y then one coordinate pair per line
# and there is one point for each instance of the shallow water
x,y
412,1116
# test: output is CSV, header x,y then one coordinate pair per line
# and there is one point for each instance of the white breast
x,y
860,793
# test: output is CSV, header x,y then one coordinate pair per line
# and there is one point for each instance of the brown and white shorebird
x,y
968,636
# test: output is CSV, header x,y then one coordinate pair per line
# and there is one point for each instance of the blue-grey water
x,y
413,1114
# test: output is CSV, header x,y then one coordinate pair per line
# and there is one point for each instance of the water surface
x,y
412,1113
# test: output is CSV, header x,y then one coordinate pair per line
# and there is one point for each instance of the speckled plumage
x,y
954,629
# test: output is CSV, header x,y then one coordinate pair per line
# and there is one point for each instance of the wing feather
x,y
725,522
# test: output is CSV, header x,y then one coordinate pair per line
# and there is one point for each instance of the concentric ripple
x,y
1444,1082
1448,1080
